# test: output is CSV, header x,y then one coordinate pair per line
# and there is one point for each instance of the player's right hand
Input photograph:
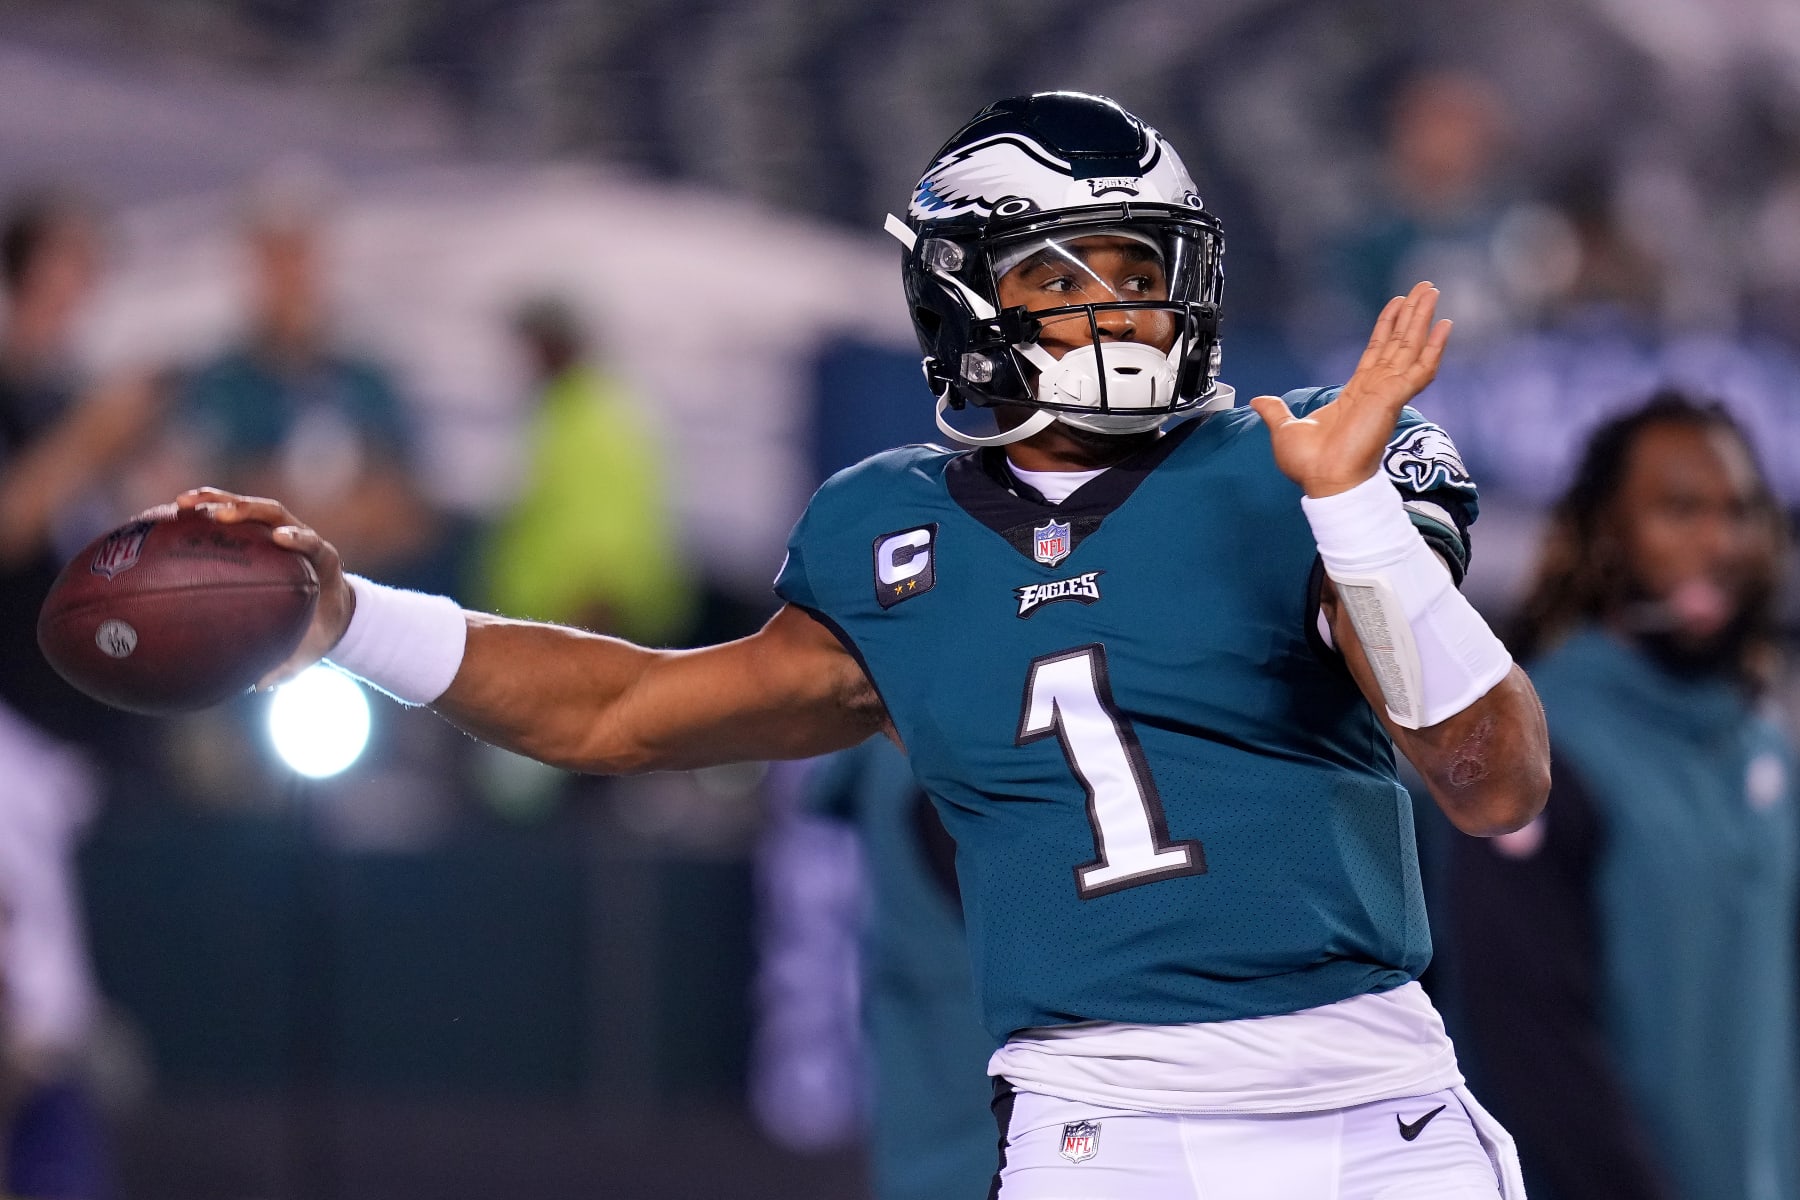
x,y
1339,445
331,616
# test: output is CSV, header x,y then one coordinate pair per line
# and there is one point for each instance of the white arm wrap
x,y
1432,653
408,644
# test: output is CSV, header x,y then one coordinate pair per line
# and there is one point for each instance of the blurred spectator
x,y
1441,213
55,446
933,1136
1612,278
1772,254
288,413
590,541
1627,960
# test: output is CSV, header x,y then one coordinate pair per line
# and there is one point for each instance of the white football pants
x,y
1063,1150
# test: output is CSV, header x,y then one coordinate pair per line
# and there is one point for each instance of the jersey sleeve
x,y
827,572
791,581
812,575
1423,464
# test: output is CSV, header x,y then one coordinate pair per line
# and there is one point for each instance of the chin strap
x,y
1222,397
1035,424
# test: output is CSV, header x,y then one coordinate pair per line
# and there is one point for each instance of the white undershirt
x,y
1379,1046
1054,486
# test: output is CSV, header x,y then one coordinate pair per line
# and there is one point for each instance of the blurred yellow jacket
x,y
591,541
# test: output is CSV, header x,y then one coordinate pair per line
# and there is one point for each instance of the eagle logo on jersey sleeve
x,y
1422,458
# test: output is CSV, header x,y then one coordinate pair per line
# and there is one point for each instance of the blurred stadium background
x,y
443,973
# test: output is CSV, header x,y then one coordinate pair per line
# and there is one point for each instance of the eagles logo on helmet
x,y
1045,175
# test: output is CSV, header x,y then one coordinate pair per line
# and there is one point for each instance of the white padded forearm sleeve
x,y
1432,653
408,644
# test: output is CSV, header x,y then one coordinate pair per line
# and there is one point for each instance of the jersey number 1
x,y
1067,694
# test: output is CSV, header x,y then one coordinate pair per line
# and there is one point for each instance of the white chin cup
x,y
1137,377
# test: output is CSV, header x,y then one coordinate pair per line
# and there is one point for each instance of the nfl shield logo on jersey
x,y
1050,543
1080,1141
119,552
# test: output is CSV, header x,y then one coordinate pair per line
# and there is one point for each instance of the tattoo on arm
x,y
1470,763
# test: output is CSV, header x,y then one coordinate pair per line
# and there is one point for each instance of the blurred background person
x,y
58,440
1627,961
288,410
590,540
1441,198
60,436
931,1134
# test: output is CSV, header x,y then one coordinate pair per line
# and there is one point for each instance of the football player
x,y
1151,674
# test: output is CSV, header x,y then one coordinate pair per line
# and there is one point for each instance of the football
x,y
174,612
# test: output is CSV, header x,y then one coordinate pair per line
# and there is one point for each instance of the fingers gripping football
x,y
1339,445
336,601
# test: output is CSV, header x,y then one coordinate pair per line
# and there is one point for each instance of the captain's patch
x,y
1422,458
1084,587
903,564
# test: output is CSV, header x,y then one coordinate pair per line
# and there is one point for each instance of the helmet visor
x,y
1073,264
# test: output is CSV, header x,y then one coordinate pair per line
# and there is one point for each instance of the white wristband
x,y
408,644
1432,653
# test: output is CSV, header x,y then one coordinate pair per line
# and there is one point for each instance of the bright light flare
x,y
319,722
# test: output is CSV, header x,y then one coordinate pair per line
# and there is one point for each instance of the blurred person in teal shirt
x,y
932,1135
1626,963
288,410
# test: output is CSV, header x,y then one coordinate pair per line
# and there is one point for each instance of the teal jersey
x,y
1170,802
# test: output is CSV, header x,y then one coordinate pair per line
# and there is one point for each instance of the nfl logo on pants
x,y
1080,1141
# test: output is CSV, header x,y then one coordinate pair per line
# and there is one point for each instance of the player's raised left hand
x,y
336,601
1339,446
